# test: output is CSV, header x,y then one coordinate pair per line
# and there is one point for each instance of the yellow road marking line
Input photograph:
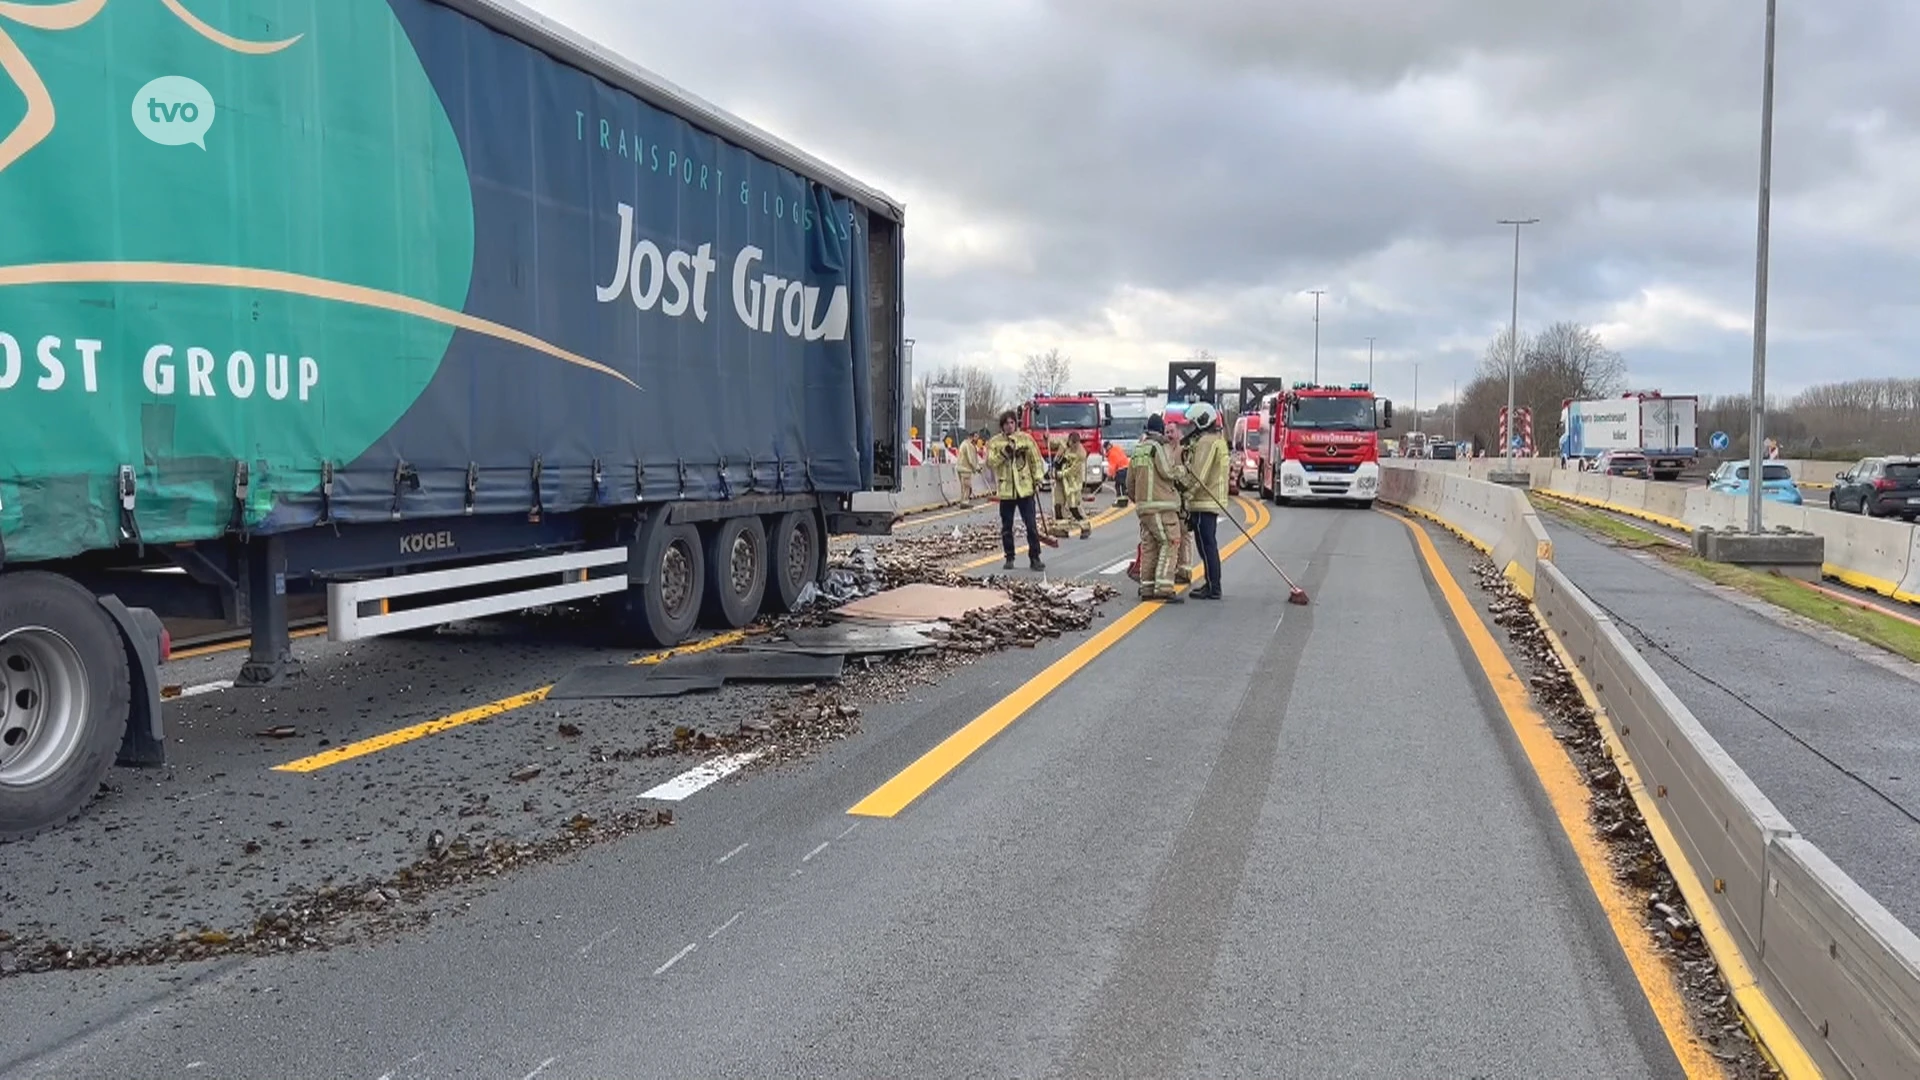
x,y
899,792
1568,795
1111,515
399,736
230,646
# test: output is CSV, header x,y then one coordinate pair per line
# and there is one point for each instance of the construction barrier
x,y
1497,519
1875,554
1825,975
922,487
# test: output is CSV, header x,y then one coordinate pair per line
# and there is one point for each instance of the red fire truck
x,y
1325,444
1249,448
1050,415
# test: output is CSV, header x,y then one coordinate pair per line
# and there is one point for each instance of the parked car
x,y
1776,481
1879,487
1624,463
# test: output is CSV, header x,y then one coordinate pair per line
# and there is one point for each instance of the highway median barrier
x,y
1826,977
922,487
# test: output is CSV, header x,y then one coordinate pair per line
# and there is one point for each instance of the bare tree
x,y
1045,373
981,394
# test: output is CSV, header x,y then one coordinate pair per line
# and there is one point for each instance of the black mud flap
x,y
859,523
140,629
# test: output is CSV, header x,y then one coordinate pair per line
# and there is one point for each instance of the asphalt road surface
x,y
1821,722
1238,839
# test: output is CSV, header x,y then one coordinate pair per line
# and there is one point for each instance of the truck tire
x,y
736,573
1666,475
663,612
798,556
64,693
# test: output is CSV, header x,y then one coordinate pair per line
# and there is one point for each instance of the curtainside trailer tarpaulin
x,y
274,263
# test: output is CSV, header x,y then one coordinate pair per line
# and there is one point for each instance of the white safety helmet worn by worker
x,y
1203,416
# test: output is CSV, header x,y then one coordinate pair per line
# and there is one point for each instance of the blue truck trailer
x,y
431,306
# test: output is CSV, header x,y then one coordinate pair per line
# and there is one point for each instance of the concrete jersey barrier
x,y
1827,976
1875,554
1499,520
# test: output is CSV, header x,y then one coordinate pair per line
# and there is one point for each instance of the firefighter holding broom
x,y
1069,472
1156,480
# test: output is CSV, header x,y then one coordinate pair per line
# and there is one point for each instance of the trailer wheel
x,y
797,558
663,611
736,572
64,693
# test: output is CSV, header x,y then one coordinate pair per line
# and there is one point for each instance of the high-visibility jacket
x,y
1116,457
1210,463
1155,475
1071,462
1016,464
973,457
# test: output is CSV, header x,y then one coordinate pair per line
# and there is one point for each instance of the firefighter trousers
x,y
1158,551
1067,505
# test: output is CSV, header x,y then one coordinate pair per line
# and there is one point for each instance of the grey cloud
x,y
1235,153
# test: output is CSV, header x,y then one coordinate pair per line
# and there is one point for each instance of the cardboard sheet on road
x,y
918,603
687,674
854,638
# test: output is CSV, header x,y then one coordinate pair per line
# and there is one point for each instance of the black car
x,y
1879,487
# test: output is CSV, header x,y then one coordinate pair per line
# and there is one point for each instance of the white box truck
x,y
1664,428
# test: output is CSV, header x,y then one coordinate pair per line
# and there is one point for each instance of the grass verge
x,y
1895,636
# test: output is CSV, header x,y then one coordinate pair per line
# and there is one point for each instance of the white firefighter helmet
x,y
1203,416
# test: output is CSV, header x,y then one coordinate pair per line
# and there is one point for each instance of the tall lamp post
x,y
1513,336
1317,294
1370,363
1756,427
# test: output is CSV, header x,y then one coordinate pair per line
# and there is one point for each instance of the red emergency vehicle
x,y
1249,447
1325,444
1050,415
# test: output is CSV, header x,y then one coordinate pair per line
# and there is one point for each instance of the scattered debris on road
x,y
203,879
336,914
1637,862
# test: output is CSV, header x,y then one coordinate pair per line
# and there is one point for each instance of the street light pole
x,y
1456,411
1370,363
1513,336
1317,294
1416,392
1757,417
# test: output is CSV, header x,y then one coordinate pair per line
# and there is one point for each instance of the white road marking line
x,y
729,855
541,1069
203,688
698,777
808,857
716,930
601,940
677,957
1119,567
849,831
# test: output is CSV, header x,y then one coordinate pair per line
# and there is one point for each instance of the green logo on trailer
x,y
249,240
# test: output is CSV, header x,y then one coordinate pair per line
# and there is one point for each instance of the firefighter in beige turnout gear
x,y
972,459
1069,476
1156,480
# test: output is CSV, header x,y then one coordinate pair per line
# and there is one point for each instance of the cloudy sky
x,y
1134,180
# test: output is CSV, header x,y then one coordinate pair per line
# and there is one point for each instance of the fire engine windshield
x,y
1125,429
1256,439
1332,413
1066,414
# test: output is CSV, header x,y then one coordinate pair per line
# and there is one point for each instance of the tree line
x,y
1838,421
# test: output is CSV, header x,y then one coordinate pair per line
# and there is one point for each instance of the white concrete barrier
x,y
1826,975
1497,519
922,487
